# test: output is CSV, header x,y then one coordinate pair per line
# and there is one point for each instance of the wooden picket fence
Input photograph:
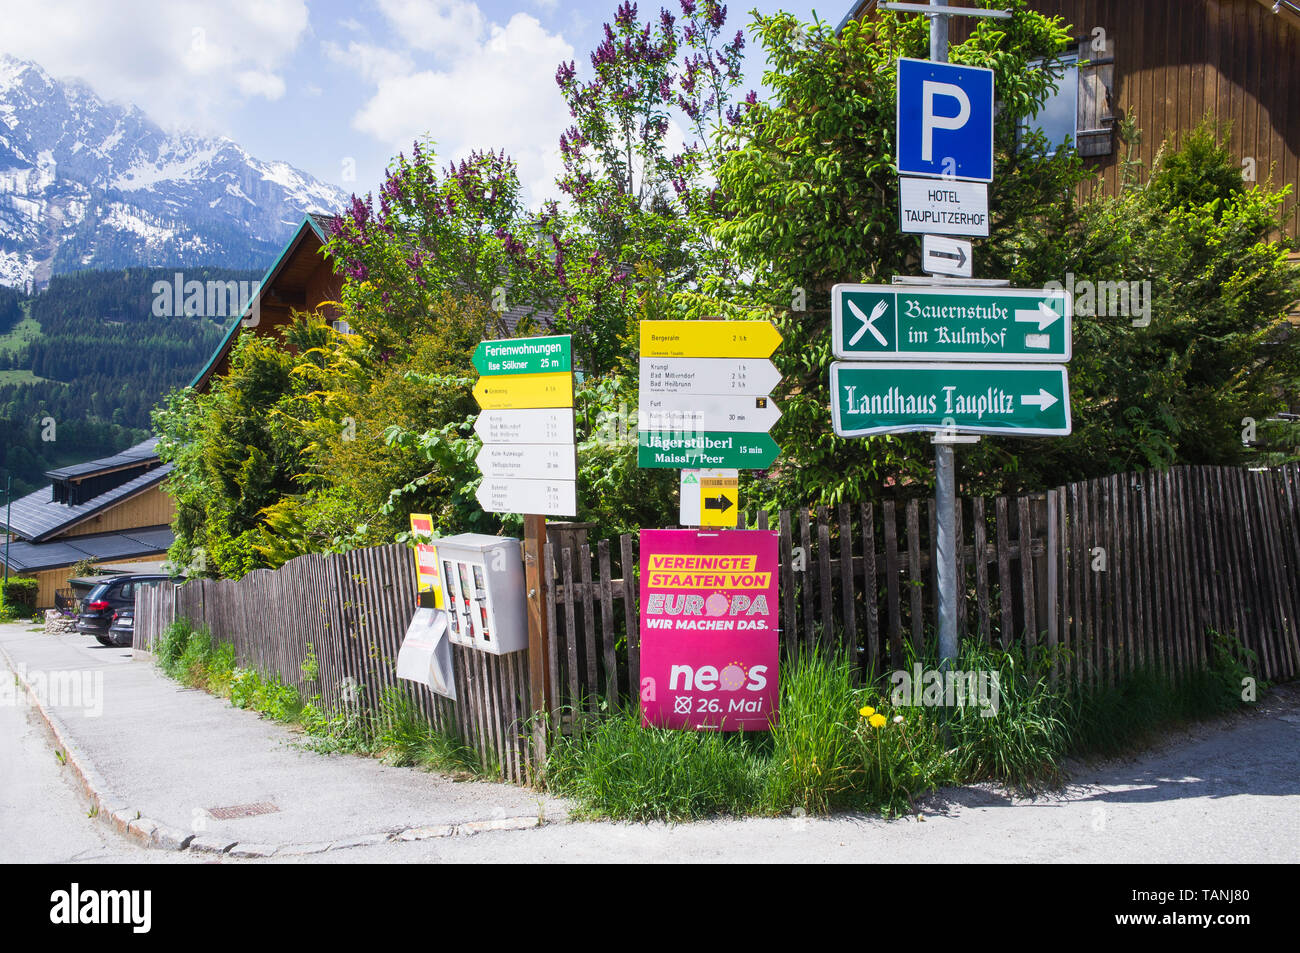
x,y
1108,574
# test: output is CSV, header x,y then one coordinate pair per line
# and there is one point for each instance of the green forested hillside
x,y
103,360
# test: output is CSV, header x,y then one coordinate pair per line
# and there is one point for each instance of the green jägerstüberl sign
x,y
1008,399
905,323
670,449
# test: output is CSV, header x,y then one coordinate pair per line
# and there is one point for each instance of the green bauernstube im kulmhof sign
x,y
1012,400
903,323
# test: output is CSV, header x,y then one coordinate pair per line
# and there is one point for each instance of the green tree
x,y
809,198
1181,288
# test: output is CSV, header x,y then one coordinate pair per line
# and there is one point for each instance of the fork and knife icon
x,y
869,323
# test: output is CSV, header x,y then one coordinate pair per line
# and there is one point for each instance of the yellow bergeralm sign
x,y
756,339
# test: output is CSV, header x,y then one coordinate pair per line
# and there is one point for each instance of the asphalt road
x,y
43,814
1225,792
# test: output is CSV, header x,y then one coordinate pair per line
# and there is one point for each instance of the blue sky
x,y
334,87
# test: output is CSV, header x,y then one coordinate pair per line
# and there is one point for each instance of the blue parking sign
x,y
945,120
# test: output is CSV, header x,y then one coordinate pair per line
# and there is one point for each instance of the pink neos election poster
x,y
709,650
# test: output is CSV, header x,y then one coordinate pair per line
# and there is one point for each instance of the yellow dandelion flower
x,y
866,711
876,721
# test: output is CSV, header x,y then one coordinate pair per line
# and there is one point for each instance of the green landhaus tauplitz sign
x,y
903,323
542,355
1013,400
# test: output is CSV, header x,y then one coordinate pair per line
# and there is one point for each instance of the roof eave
x,y
285,253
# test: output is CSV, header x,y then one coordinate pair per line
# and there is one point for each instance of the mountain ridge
x,y
91,184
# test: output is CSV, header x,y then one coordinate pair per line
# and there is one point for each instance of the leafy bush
x,y
20,595
266,694
171,645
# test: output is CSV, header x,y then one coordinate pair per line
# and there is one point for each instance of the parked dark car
x,y
106,602
122,631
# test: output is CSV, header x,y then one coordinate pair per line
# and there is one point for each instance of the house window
x,y
1057,120
342,327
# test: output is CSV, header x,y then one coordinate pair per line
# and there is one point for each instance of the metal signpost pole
x,y
939,34
945,476
945,464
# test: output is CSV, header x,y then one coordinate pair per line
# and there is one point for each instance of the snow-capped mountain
x,y
89,184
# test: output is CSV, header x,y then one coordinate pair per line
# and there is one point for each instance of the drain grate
x,y
236,811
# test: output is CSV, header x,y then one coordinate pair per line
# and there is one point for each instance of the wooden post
x,y
539,635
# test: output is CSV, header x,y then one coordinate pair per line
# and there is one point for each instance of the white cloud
x,y
257,83
435,25
183,62
374,63
498,92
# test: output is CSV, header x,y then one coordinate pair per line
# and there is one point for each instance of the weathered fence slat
x,y
608,635
846,577
914,578
869,586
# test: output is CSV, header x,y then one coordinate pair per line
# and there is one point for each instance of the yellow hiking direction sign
x,y
755,339
516,391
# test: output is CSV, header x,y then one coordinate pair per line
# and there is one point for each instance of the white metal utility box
x,y
483,585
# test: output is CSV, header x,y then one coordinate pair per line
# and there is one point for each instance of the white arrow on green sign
x,y
905,323
1008,399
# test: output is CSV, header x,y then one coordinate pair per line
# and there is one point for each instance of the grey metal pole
x,y
945,501
939,35
945,465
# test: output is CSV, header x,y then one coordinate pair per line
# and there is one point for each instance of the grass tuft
x,y
616,768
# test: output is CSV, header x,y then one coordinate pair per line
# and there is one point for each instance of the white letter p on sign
x,y
930,122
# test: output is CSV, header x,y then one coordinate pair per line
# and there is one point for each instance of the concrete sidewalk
x,y
158,759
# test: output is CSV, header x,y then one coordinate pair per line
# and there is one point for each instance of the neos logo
x,y
706,678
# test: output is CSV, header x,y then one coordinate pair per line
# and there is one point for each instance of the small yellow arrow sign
x,y
757,339
718,501
516,391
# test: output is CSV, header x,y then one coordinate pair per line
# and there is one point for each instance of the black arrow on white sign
x,y
946,256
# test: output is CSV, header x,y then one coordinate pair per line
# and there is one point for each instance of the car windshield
x,y
98,592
